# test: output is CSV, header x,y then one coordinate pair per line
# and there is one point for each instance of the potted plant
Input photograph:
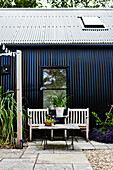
x,y
50,119
59,102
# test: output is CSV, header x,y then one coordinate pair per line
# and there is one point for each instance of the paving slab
x,y
11,150
11,153
97,143
36,151
53,167
54,145
81,140
84,146
101,147
32,147
110,146
39,142
31,143
57,144
67,151
17,164
62,158
29,155
82,166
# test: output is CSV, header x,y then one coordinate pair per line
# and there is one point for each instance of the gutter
x,y
57,45
56,9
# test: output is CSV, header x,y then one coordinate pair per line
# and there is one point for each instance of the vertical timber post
x,y
19,98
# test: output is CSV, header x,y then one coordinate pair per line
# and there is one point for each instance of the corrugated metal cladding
x,y
89,75
8,80
90,79
54,26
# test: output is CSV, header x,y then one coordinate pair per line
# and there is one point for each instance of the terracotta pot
x,y
47,124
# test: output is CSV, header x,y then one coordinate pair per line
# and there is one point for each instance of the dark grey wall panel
x,y
8,81
90,74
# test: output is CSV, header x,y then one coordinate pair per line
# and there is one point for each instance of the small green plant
x,y
98,120
59,101
109,119
107,122
51,119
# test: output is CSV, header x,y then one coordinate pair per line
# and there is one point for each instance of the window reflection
x,y
54,78
49,93
54,81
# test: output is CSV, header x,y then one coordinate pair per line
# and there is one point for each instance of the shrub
x,y
104,130
103,134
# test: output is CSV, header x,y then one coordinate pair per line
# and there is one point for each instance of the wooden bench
x,y
36,117
79,117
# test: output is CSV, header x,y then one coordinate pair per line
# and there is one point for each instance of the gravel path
x,y
100,159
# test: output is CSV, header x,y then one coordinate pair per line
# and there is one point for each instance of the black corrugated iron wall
x,y
89,75
8,80
90,79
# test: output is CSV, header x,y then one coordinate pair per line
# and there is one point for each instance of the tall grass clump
x,y
8,115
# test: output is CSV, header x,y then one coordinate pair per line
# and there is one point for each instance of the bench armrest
x,y
66,116
66,119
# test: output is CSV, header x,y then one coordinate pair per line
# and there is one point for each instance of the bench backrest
x,y
37,116
78,116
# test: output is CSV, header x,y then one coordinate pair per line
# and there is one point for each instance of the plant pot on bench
x,y
59,102
59,111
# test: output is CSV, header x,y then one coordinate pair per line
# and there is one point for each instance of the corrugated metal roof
x,y
53,26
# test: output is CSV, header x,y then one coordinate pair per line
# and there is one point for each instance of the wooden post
x,y
19,98
87,125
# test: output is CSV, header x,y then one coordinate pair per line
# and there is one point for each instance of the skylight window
x,y
92,22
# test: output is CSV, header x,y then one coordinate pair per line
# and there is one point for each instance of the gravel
x,y
100,159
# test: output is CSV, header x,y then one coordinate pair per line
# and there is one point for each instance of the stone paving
x,y
55,157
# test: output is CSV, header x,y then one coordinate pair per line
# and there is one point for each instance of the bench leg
x,y
87,133
66,143
51,134
30,134
45,140
65,134
72,143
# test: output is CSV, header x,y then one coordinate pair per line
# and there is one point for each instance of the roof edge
x,y
55,9
57,45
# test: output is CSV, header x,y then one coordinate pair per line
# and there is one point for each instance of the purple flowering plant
x,y
103,134
51,119
104,130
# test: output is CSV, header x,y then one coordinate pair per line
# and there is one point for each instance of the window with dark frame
x,y
54,82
